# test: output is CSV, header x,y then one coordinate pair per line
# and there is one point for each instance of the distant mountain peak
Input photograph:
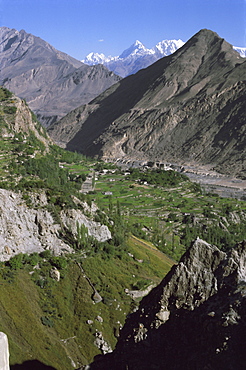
x,y
135,49
241,51
136,57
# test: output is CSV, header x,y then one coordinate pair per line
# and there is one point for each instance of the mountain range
x,y
52,82
137,56
188,107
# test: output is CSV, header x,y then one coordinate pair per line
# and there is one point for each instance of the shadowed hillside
x,y
185,108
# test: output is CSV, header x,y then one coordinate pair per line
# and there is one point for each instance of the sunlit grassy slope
x,y
49,323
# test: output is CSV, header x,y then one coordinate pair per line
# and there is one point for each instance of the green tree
x,y
82,236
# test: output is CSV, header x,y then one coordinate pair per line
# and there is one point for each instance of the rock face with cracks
x,y
28,230
194,319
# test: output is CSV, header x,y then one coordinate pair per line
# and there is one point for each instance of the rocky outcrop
x,y
195,318
27,230
4,352
72,217
101,343
187,108
21,121
52,82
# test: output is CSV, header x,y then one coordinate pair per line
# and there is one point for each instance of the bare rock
x,y
4,352
27,230
55,274
194,319
72,217
101,343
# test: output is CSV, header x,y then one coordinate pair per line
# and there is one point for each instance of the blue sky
x,y
78,27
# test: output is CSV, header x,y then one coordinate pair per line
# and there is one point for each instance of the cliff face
x,y
16,118
187,107
193,320
27,230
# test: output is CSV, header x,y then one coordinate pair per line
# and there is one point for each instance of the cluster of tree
x,y
5,94
66,156
21,260
45,172
225,239
158,177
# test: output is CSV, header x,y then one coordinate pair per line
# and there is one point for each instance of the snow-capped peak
x,y
135,49
96,58
241,51
137,56
167,47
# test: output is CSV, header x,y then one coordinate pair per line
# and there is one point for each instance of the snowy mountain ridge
x,y
137,56
241,51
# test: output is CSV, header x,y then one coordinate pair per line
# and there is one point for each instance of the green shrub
x,y
5,94
47,321
31,259
9,110
16,262
46,254
59,262
140,284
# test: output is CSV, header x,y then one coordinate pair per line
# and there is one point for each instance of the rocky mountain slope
x,y
16,118
188,107
136,57
52,82
27,224
194,319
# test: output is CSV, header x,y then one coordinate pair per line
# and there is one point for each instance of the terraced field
x,y
163,214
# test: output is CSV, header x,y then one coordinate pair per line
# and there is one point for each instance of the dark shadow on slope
x,y
204,54
31,365
209,337
191,340
128,93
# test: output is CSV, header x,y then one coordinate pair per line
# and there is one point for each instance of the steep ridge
x,y
194,319
17,118
187,107
52,82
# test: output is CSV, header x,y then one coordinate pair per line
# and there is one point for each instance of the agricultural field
x,y
168,215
